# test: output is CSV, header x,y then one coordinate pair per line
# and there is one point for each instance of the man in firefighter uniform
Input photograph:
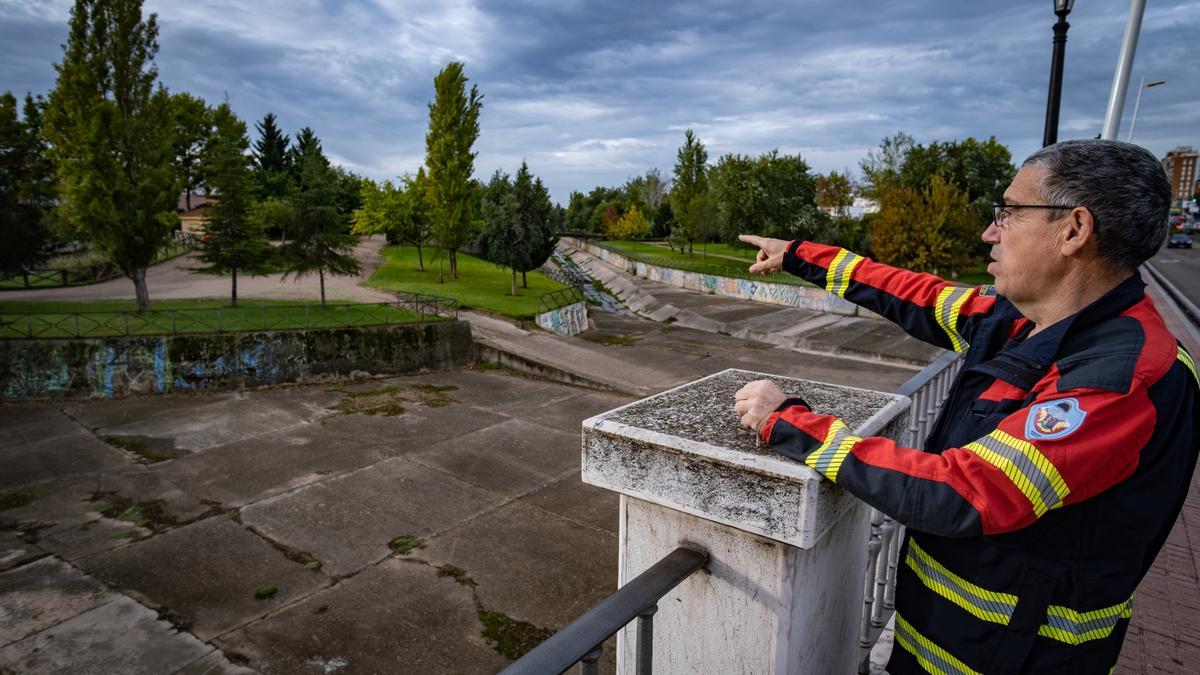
x,y
1064,451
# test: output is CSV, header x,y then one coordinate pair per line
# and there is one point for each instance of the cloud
x,y
593,93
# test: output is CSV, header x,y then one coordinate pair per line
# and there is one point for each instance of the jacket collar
x,y
1023,363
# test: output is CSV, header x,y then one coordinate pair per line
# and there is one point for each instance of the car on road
x,y
1179,241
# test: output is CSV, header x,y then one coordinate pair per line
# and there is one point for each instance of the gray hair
x,y
1123,185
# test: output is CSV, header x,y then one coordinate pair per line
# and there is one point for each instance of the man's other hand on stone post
x,y
770,253
756,401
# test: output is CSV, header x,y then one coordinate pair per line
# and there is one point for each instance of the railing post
x,y
589,665
645,629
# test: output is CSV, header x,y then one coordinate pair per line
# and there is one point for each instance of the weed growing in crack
x,y
458,573
265,592
19,498
403,545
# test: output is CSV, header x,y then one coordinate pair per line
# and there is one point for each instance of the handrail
x,y
914,383
438,305
581,640
559,298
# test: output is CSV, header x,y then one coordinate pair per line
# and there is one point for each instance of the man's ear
x,y
1078,232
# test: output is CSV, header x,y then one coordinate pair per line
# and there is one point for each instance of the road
x,y
175,279
1181,266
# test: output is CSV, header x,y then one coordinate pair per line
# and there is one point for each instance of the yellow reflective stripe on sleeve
x,y
837,277
1028,469
829,456
949,304
1188,361
1067,625
931,656
980,602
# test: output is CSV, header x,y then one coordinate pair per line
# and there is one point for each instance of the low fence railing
x,y
79,275
560,298
428,305
215,320
583,639
928,391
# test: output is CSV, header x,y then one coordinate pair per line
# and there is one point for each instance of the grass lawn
x,y
480,284
104,318
655,254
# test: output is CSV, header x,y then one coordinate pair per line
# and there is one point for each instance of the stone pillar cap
x,y
686,449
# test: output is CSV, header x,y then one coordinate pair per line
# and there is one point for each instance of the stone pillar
x,y
783,592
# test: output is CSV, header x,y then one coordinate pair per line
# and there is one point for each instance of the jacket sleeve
x,y
1062,448
926,307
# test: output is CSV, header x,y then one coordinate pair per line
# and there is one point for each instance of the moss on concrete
x,y
511,638
390,400
152,450
18,498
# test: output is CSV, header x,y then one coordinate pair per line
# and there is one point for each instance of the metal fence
x,y
219,319
928,391
79,275
428,305
560,298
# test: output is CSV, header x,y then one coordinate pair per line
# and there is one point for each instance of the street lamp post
x,y
1061,8
1138,104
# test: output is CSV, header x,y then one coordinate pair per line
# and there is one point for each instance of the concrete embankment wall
x,y
805,297
105,367
569,320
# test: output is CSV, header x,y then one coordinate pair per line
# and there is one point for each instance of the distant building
x,y
1180,165
193,221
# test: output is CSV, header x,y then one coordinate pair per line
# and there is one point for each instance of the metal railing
x,y
428,305
79,275
928,391
212,320
560,298
583,639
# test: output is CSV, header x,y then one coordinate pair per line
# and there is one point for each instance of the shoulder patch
x,y
1054,419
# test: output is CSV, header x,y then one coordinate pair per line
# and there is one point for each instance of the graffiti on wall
x,y
569,320
804,297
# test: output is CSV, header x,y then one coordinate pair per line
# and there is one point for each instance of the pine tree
x,y
453,129
537,221
321,240
271,159
111,136
232,241
503,239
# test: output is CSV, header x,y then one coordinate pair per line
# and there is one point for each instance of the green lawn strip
x,y
655,254
480,284
103,318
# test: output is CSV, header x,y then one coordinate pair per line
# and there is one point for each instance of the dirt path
x,y
175,279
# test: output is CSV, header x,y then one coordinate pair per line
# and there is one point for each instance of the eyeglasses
x,y
1002,212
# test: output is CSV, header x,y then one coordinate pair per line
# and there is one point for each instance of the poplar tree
x,y
193,122
453,129
25,188
110,131
690,189
232,241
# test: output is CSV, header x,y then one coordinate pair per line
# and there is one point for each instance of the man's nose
x,y
991,235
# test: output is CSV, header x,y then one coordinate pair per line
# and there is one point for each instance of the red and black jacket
x,y
1049,481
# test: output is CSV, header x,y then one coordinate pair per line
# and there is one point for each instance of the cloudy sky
x,y
592,93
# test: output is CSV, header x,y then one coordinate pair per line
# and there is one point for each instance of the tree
x,y
272,166
26,190
193,121
691,183
631,226
400,212
503,238
772,194
453,129
539,218
881,167
835,191
649,189
111,136
929,230
232,241
321,240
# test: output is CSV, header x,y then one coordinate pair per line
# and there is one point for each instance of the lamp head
x,y
1063,7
